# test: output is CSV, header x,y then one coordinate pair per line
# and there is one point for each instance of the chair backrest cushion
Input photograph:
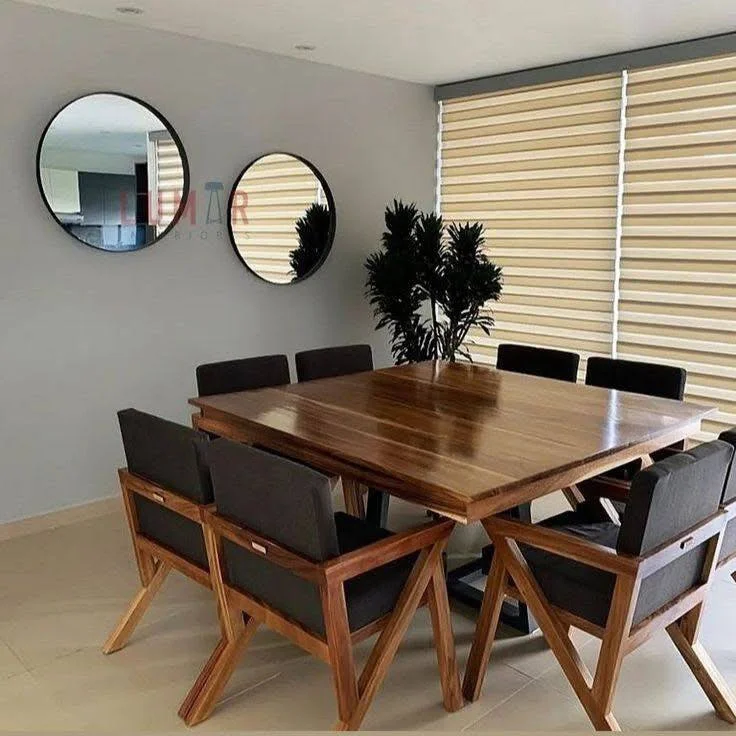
x,y
673,495
666,500
729,490
543,362
652,379
285,502
331,362
279,499
242,374
168,454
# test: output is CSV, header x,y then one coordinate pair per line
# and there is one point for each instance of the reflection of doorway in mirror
x,y
112,171
271,196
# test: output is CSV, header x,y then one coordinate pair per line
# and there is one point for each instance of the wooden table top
x,y
465,440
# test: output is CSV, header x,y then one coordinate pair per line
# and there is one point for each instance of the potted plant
x,y
429,284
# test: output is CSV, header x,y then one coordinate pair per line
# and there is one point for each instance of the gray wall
x,y
84,333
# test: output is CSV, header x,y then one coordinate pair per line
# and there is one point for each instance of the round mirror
x,y
113,172
281,218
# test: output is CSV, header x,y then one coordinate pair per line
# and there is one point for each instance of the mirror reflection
x,y
281,218
113,172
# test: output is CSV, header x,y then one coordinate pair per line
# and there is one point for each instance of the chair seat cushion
x,y
372,594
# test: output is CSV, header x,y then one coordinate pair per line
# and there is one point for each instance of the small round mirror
x,y
281,218
113,172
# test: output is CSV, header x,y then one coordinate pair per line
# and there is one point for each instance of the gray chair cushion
x,y
243,374
673,495
729,491
543,362
368,596
331,362
282,500
651,379
171,530
166,453
728,546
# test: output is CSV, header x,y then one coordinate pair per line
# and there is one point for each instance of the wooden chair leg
x,y
574,496
554,631
388,642
206,691
612,650
439,611
701,665
485,630
139,605
340,647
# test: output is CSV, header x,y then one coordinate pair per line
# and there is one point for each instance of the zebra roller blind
x,y
678,248
610,202
539,168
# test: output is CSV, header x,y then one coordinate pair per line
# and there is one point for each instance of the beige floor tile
x,y
656,690
25,706
536,707
9,663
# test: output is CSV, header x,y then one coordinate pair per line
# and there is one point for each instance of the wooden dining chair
x,y
281,558
542,362
166,488
343,360
649,379
545,363
243,374
620,584
727,558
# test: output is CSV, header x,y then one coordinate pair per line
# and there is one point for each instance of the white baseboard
x,y
62,517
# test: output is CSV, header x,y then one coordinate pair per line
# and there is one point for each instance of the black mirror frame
x,y
175,138
330,203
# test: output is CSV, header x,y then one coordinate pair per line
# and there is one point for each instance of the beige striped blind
x,y
678,248
539,168
272,194
169,180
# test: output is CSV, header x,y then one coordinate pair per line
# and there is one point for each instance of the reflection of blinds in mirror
x,y
168,183
538,168
272,194
678,281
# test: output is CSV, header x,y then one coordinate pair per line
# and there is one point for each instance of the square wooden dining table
x,y
460,439
463,440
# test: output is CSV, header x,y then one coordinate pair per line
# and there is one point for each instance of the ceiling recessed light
x,y
304,47
129,10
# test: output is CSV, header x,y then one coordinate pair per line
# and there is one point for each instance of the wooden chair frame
x,y
511,574
354,693
154,561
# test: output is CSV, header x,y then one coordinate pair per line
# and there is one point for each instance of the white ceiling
x,y
428,41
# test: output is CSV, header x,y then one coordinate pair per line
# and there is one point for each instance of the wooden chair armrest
x,y
563,544
387,550
669,551
162,496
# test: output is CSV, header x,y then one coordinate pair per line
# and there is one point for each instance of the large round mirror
x,y
281,218
113,172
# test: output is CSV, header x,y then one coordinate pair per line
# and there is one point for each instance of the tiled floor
x,y
63,590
